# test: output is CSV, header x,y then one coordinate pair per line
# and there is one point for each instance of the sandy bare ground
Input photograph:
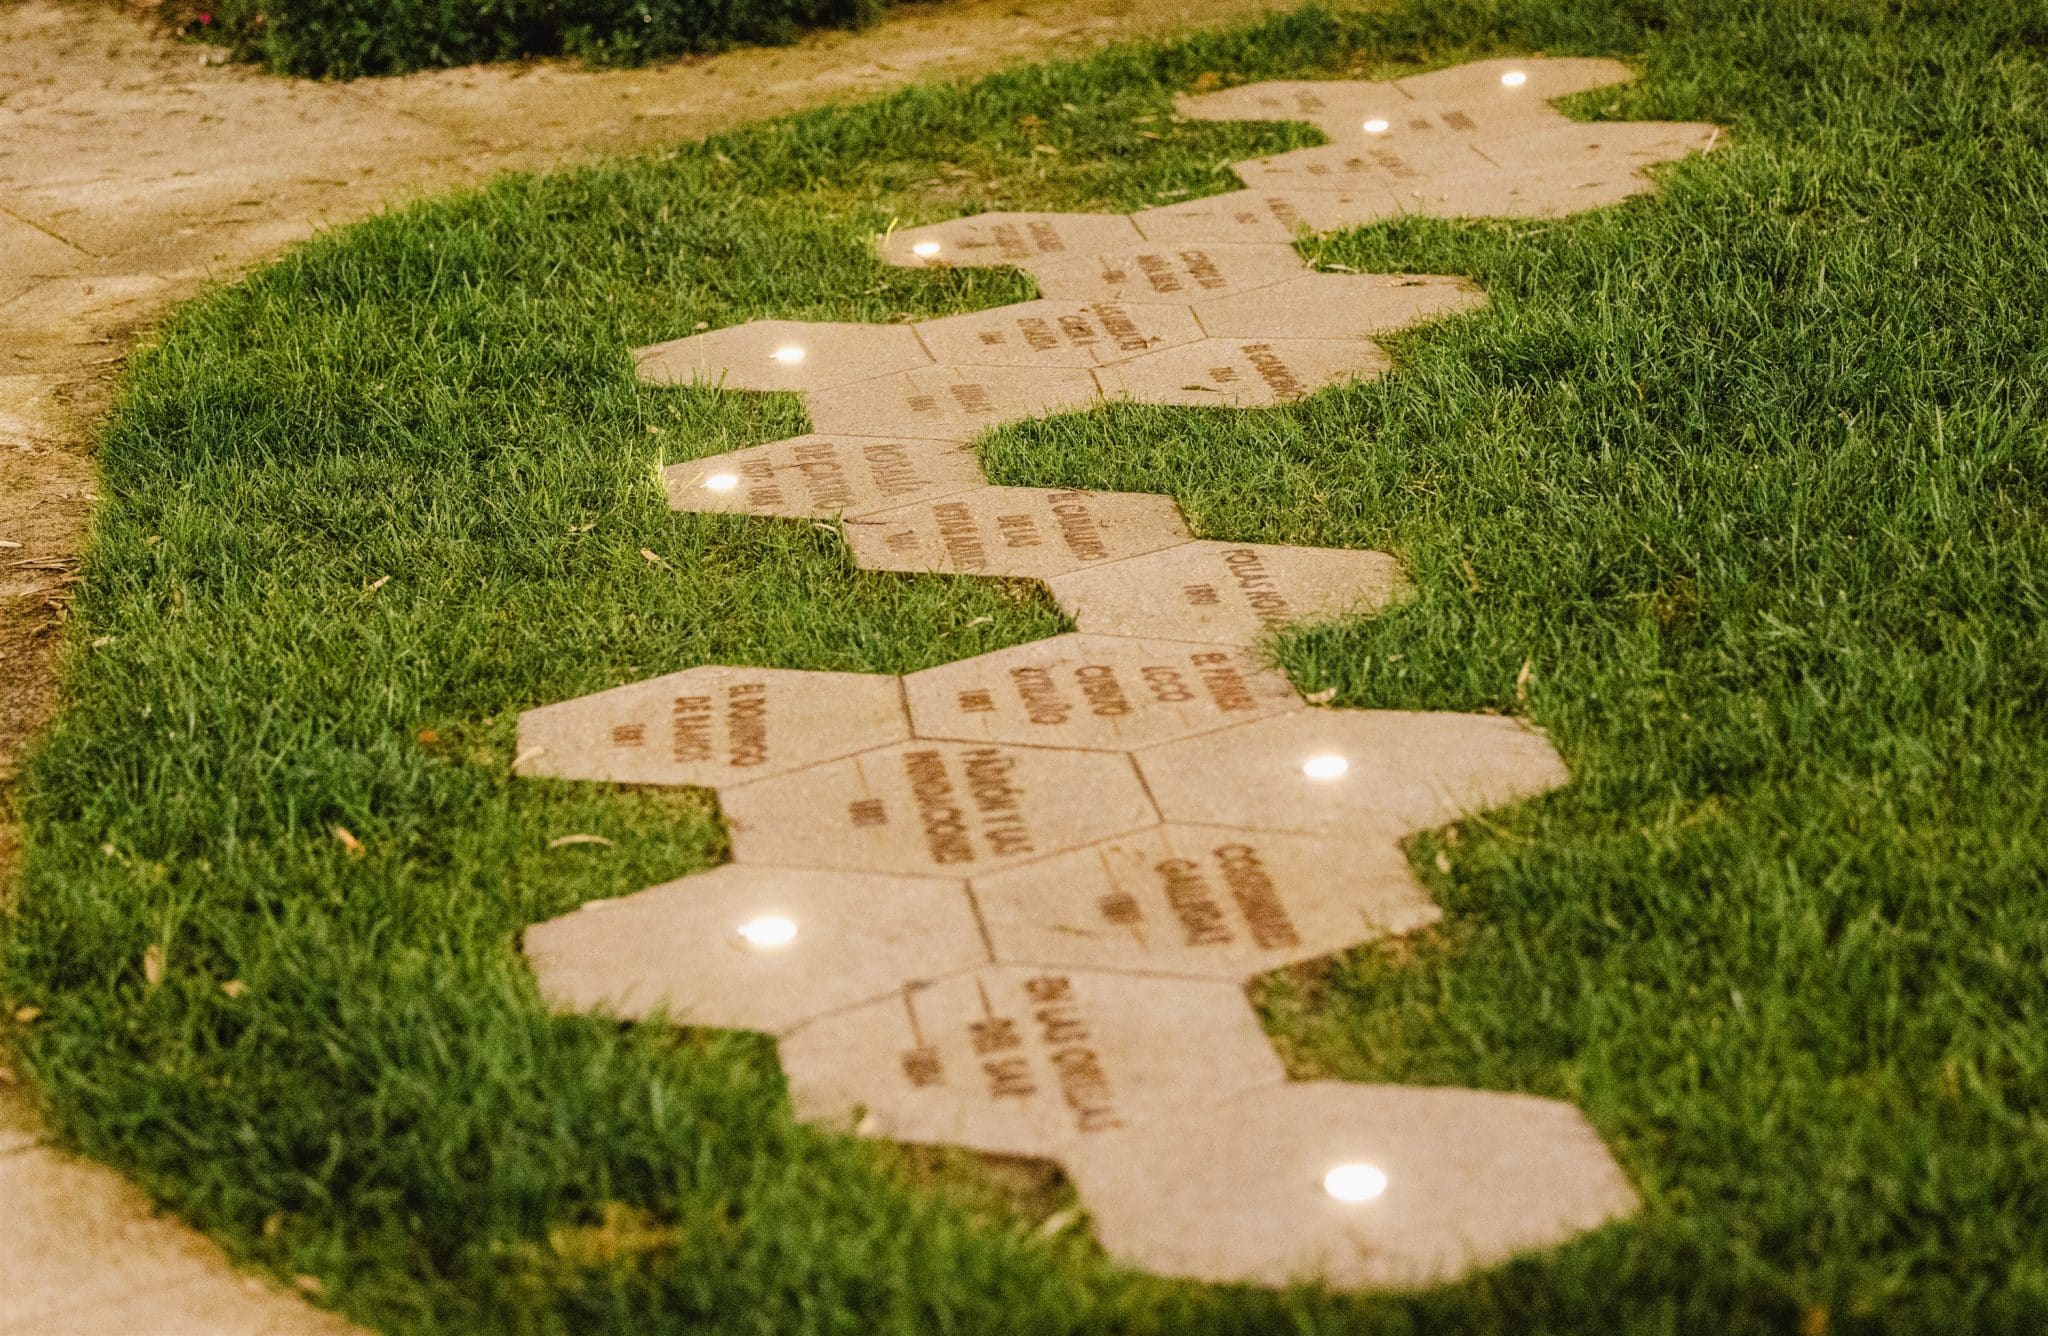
x,y
135,171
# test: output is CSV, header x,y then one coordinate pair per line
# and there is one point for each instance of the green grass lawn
x,y
1752,474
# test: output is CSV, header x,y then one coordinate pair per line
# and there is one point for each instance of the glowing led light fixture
x,y
1327,766
1375,126
768,932
788,354
1355,1182
1513,79
721,482
926,249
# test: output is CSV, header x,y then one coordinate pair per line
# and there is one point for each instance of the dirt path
x,y
134,171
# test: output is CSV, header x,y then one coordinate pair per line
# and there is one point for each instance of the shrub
x,y
342,39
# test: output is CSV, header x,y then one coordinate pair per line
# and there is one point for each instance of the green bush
x,y
342,39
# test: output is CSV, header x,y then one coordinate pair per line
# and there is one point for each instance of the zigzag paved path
x,y
1010,903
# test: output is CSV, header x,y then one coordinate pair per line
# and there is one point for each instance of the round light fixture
x,y
768,931
1355,1182
1375,126
925,249
788,354
1513,79
721,482
1329,765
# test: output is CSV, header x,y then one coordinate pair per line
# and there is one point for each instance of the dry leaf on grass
x,y
349,841
564,841
153,965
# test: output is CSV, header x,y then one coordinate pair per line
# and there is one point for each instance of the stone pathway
x,y
134,171
1011,903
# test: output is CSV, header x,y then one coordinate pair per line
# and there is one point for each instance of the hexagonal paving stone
x,y
1338,306
1358,1186
755,948
711,726
783,355
1485,85
1362,167
1241,217
1353,774
1028,532
1026,1061
1243,373
821,476
1607,148
1016,239
1204,900
1170,274
1098,692
1523,194
936,809
1337,107
1229,593
1057,333
950,403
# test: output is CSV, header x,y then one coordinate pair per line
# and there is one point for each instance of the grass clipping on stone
x,y
1738,490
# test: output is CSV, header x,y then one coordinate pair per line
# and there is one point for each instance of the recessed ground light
x,y
927,249
721,482
768,932
1375,126
788,355
1513,79
1355,1182
1327,766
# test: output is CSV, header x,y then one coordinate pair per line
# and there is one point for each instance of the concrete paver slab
x,y
1023,1061
1014,239
1057,333
1026,532
1603,148
951,403
1337,107
1357,1186
1338,306
1522,194
711,726
944,809
1202,900
817,477
1241,372
1351,774
1231,593
1102,693
1513,81
1172,274
754,948
1242,217
783,355
1391,164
